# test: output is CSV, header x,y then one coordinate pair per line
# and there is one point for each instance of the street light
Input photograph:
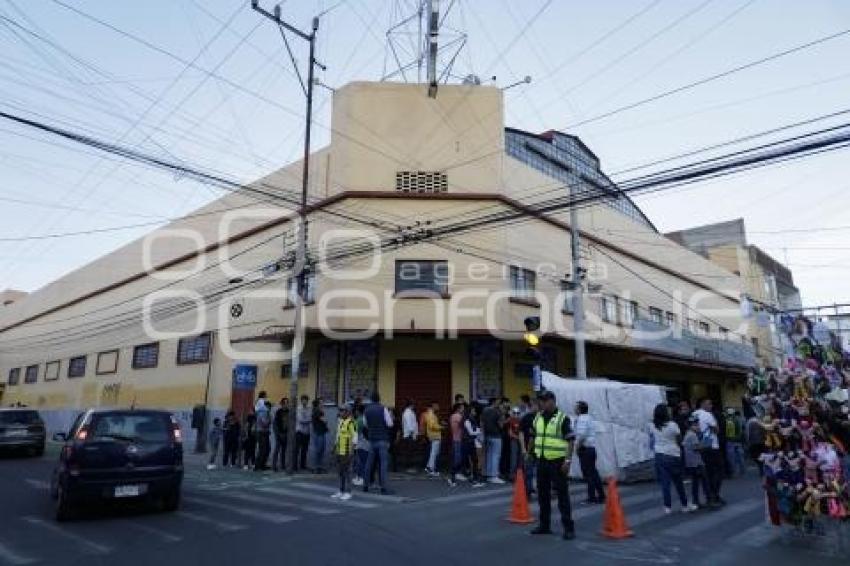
x,y
525,81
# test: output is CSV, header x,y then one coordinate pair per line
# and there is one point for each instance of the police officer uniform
x,y
551,448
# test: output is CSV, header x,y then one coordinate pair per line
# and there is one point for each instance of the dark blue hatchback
x,y
119,455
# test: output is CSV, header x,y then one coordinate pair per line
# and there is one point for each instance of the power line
x,y
709,79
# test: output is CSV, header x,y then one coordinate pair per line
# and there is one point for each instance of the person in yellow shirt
x,y
346,435
434,432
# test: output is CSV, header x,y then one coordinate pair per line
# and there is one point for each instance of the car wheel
x,y
64,510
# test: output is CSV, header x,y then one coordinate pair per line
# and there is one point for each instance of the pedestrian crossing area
x,y
277,504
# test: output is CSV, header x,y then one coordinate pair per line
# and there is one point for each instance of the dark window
x,y
77,366
14,376
422,276
194,350
131,427
704,329
15,416
146,356
754,340
523,282
671,319
655,315
31,375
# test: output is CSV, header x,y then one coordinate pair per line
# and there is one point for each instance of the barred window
x,y
567,292
523,282
194,350
656,316
671,319
146,356
31,374
14,376
77,366
629,312
704,329
608,309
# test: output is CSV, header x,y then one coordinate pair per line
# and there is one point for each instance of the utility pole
x,y
298,331
578,289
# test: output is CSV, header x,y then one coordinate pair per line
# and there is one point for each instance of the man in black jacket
x,y
280,428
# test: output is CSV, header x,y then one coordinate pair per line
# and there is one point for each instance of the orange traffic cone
x,y
519,509
614,520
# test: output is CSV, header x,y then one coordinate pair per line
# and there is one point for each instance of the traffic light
x,y
532,338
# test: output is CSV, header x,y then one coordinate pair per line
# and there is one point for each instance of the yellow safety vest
x,y
345,434
549,443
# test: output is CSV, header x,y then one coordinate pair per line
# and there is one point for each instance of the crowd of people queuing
x,y
478,443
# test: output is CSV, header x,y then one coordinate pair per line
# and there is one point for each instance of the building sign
x,y
361,368
244,376
327,374
650,335
485,366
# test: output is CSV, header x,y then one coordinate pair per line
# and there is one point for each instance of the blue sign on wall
x,y
244,376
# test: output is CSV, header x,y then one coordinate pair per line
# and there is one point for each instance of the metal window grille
x,y
421,182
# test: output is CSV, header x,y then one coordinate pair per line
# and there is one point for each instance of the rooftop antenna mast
x,y
421,38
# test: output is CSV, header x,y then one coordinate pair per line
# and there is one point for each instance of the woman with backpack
x,y
665,437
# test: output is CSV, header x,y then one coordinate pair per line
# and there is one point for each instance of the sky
x,y
209,83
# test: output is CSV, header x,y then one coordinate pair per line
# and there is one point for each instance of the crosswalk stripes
x,y
698,524
478,493
575,490
262,516
757,536
84,543
276,502
357,494
12,557
221,526
153,531
313,497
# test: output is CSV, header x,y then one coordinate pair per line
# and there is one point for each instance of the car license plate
x,y
16,432
128,490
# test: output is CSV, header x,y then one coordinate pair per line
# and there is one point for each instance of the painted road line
x,y
64,533
688,528
9,556
259,515
273,502
159,533
359,493
630,500
319,498
504,499
38,484
478,493
227,527
757,536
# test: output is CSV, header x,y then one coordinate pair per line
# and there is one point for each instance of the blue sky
x,y
92,79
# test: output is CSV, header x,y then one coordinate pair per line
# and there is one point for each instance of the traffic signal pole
x,y
578,289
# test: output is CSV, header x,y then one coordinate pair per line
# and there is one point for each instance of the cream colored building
x,y
452,200
767,285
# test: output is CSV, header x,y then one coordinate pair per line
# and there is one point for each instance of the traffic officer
x,y
553,452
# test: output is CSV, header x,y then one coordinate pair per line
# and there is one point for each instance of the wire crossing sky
x,y
159,77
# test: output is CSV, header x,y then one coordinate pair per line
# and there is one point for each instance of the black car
x,y
117,455
22,429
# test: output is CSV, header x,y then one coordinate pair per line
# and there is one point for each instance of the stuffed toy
x,y
772,440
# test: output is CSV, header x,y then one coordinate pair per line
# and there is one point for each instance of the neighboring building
x,y
434,314
766,284
836,319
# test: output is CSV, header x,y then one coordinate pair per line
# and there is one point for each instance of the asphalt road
x,y
237,517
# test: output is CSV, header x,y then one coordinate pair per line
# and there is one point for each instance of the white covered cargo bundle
x,y
622,412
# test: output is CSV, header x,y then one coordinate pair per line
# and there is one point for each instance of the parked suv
x,y
119,455
22,429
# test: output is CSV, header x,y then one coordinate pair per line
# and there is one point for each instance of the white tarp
x,y
622,412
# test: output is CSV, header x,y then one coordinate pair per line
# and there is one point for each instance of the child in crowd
x,y
694,466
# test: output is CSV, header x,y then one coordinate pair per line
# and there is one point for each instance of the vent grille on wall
x,y
421,182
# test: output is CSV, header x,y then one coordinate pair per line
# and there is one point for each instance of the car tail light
x,y
82,434
175,428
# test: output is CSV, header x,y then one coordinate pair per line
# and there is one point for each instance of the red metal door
x,y
424,381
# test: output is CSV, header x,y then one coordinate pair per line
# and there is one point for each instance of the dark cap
x,y
546,395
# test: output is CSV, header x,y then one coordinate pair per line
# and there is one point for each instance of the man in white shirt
x,y
711,454
409,434
585,439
